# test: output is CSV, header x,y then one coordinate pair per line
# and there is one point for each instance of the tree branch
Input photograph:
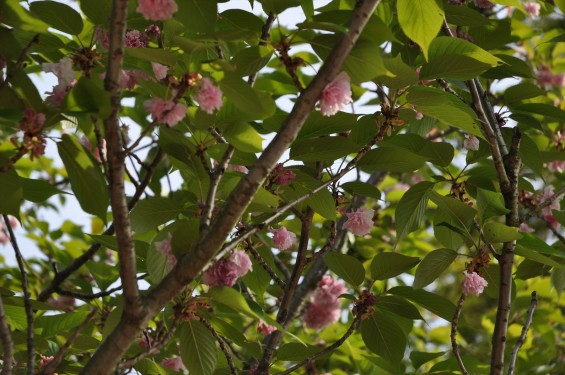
x,y
522,339
222,344
27,297
454,345
7,342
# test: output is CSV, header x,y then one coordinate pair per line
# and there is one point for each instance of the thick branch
x,y
27,297
7,342
522,339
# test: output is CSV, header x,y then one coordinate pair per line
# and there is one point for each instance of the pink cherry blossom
x,y
471,142
165,111
44,361
285,178
336,95
283,239
546,194
220,273
525,228
173,363
242,263
32,122
101,36
62,69
318,317
165,247
136,39
419,116
159,70
265,329
558,80
473,283
359,222
328,291
209,97
483,3
157,10
86,143
532,9
556,166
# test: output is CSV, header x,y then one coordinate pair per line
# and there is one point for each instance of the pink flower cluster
x,y
546,212
471,142
525,228
226,271
324,306
473,283
209,97
66,76
136,39
159,70
165,247
44,360
547,79
556,166
265,329
173,363
359,222
157,10
282,238
336,95
165,111
532,9
283,177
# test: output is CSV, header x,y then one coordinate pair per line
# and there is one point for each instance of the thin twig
x,y
7,342
20,63
91,296
27,297
327,349
58,358
222,344
328,245
265,36
454,323
522,338
265,266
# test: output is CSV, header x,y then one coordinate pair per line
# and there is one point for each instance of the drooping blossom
x,y
532,9
556,166
153,31
285,178
238,168
473,283
483,4
157,10
471,142
324,308
136,39
226,271
336,95
159,70
30,134
265,329
525,228
165,247
173,363
209,97
282,238
165,111
359,222
241,262
44,361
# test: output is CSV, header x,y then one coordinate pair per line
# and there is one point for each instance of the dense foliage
x,y
373,190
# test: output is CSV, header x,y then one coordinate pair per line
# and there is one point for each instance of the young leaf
x,y
498,232
387,265
86,178
490,204
420,20
197,348
431,267
345,266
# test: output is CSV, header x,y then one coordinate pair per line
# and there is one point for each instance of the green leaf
x,y
86,178
388,264
554,113
104,274
60,16
258,105
345,266
461,213
536,256
432,266
317,125
420,358
411,209
439,153
16,317
157,55
243,137
148,367
152,212
531,242
156,263
88,95
278,6
398,306
198,16
464,16
498,233
445,107
384,337
391,159
529,269
531,155
250,60
434,303
325,149
453,67
361,188
521,91
558,280
11,192
197,348
448,46
420,20
490,204
97,11
399,74
55,324
38,190
295,352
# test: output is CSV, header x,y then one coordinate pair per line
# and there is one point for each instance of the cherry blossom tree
x,y
279,186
